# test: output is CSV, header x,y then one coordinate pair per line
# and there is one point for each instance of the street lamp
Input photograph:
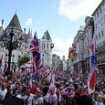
x,y
52,45
11,39
11,42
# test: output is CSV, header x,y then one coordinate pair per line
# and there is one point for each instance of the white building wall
x,y
99,23
64,63
87,37
79,46
47,52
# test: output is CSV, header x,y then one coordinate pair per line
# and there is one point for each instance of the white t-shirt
x,y
3,93
99,103
30,99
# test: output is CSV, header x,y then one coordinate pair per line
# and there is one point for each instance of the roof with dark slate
x,y
46,36
15,23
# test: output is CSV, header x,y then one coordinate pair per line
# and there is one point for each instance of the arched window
x,y
47,45
43,46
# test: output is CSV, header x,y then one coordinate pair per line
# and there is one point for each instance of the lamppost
x,y
11,41
13,63
5,60
52,45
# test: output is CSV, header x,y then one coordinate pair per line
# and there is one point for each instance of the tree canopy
x,y
23,59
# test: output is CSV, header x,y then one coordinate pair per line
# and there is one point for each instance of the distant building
x,y
47,46
78,43
64,61
87,38
56,62
82,42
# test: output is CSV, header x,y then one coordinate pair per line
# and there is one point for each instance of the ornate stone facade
x,y
94,31
22,48
47,46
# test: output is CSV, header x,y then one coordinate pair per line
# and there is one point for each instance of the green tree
x,y
23,59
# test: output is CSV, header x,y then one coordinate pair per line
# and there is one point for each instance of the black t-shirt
x,y
83,100
45,90
13,101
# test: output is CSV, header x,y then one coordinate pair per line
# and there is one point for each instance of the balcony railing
x,y
100,49
101,62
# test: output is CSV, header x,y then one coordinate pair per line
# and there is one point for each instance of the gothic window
x,y
104,18
47,45
19,56
96,37
100,10
102,33
96,26
99,36
43,46
97,13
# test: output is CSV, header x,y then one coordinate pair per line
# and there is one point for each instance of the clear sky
x,y
62,18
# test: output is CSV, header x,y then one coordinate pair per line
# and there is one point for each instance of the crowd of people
x,y
26,90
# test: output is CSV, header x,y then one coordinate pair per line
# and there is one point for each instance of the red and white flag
x,y
92,74
60,72
92,81
52,79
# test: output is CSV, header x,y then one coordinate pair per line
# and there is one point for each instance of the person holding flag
x,y
36,56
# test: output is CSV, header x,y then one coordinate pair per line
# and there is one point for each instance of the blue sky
x,y
62,18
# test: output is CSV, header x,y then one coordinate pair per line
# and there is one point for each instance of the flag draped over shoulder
x,y
36,55
92,74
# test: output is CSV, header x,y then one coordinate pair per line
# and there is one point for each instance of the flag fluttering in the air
x,y
72,54
52,75
92,74
27,64
35,46
60,72
52,78
36,55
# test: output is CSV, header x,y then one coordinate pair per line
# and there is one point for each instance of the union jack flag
x,y
35,50
35,46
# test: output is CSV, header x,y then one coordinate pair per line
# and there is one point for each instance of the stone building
x,y
99,35
87,40
22,47
94,31
56,62
83,41
78,42
64,61
47,47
